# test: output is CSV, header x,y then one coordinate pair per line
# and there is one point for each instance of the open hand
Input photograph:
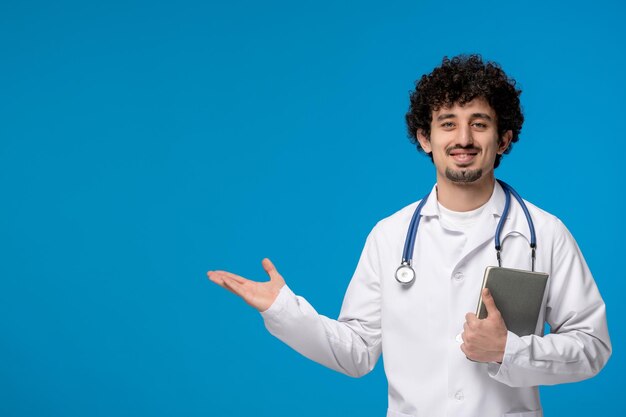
x,y
484,340
259,295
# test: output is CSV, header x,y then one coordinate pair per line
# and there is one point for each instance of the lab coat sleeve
x,y
578,346
351,344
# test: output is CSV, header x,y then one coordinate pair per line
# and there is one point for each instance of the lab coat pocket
x,y
391,413
538,413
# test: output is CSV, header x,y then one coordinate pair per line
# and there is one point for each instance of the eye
x,y
447,125
480,125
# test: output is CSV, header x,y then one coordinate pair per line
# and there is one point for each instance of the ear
x,y
505,141
424,141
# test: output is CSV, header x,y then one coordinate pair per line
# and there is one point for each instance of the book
x,y
517,294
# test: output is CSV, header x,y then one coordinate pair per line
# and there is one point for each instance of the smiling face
x,y
464,142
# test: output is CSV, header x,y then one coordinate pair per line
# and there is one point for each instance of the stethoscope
x,y
405,274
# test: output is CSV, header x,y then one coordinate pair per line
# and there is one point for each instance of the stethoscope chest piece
x,y
405,274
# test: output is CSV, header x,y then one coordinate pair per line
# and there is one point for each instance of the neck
x,y
464,196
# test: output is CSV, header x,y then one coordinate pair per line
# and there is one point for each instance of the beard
x,y
464,176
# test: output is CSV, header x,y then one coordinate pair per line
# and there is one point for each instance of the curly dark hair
x,y
460,80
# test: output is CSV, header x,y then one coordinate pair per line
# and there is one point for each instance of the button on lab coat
x,y
417,327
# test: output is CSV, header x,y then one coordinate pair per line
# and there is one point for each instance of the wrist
x,y
501,348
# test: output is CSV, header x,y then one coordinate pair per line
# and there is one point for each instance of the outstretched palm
x,y
259,295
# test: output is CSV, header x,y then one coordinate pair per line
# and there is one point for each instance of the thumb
x,y
490,304
271,271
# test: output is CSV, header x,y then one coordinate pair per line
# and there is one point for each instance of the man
x,y
440,359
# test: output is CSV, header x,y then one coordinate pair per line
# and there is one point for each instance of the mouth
x,y
463,156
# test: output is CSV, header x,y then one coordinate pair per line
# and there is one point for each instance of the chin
x,y
464,176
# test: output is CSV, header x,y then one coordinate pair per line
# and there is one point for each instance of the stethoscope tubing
x,y
529,219
409,243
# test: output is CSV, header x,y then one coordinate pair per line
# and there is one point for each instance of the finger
x,y
214,277
235,287
219,281
470,318
232,276
466,334
270,269
490,304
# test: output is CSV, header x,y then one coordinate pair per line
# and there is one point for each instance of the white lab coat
x,y
416,327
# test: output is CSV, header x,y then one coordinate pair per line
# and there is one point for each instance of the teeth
x,y
463,156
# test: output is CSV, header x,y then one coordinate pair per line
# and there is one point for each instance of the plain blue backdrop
x,y
144,143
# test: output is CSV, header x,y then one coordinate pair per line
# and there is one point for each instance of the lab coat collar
x,y
495,205
485,229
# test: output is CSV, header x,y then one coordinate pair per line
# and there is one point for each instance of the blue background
x,y
144,143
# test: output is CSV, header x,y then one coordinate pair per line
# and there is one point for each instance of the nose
x,y
465,137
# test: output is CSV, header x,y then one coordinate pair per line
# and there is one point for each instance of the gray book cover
x,y
518,295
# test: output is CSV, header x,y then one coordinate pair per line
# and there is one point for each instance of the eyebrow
x,y
445,116
474,116
481,116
